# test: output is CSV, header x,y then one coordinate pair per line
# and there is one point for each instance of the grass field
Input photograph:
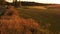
x,y
51,17
26,20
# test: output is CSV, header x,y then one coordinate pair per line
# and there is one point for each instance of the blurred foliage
x,y
32,21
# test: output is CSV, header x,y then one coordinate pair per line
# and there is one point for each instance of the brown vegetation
x,y
11,23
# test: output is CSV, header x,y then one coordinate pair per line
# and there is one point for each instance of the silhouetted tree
x,y
20,3
16,3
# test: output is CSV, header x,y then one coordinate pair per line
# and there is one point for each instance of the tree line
x,y
15,3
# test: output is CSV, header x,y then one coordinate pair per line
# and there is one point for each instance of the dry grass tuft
x,y
11,23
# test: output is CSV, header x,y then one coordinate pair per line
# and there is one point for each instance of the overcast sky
x,y
40,1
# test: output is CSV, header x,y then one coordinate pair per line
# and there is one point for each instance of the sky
x,y
40,1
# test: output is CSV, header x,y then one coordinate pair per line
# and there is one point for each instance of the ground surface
x,y
50,16
30,21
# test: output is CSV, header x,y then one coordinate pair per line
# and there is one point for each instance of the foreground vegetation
x,y
30,21
11,23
